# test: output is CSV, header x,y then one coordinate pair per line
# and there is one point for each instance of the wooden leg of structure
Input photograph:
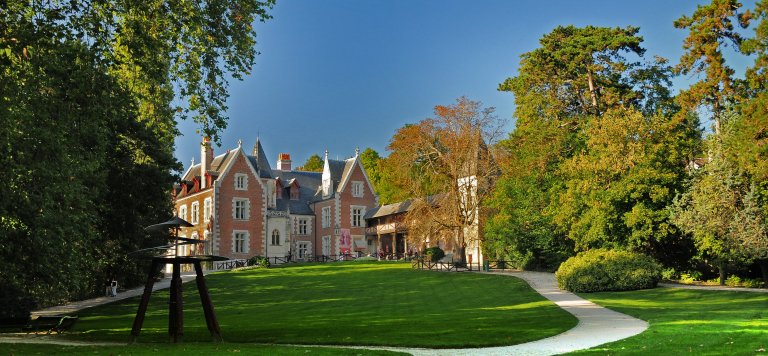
x,y
176,306
139,320
205,299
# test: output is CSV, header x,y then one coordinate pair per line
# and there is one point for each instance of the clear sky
x,y
337,74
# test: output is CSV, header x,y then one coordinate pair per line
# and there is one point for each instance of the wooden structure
x,y
176,303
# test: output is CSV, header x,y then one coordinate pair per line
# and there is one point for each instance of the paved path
x,y
597,325
74,307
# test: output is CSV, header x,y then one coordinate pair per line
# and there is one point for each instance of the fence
x,y
229,264
421,263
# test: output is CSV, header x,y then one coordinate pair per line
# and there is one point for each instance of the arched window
x,y
275,237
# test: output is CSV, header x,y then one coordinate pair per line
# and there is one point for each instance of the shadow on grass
x,y
347,304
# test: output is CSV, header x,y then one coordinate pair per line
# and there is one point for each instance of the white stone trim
x,y
244,178
247,208
352,215
246,242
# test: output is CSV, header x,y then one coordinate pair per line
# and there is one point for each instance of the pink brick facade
x,y
259,211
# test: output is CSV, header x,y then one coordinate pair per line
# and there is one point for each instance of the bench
x,y
49,324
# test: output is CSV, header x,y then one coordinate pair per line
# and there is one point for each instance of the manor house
x,y
242,207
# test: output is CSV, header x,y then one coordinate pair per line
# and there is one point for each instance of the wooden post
x,y
139,320
394,245
205,299
378,245
176,305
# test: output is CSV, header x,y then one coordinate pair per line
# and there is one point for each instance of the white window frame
x,y
302,248
195,213
241,181
246,241
303,226
326,245
275,231
357,189
207,209
245,209
183,212
361,221
326,216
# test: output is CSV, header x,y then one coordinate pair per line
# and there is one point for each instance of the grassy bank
x,y
690,321
347,304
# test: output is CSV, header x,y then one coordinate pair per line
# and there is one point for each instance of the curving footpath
x,y
597,325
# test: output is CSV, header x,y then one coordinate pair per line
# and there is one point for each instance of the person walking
x,y
113,287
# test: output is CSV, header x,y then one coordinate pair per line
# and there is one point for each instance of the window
x,y
240,241
303,226
357,216
240,209
303,249
357,189
183,212
327,216
241,181
326,245
207,210
195,212
275,237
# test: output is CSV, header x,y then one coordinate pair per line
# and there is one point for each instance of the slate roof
x,y
259,160
308,182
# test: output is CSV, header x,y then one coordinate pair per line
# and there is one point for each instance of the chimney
x,y
206,157
284,162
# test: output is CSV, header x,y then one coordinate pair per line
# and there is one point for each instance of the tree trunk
x,y
721,268
764,271
593,92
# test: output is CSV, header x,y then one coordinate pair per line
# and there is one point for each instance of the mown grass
x,y
346,304
203,349
685,321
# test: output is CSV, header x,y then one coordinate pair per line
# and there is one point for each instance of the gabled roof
x,y
218,164
308,183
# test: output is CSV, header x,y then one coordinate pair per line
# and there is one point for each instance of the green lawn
x,y
349,303
203,349
690,321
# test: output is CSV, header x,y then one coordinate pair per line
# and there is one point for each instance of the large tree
x,y
89,99
446,162
711,31
571,80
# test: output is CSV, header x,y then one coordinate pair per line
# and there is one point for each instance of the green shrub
x,y
670,274
690,277
434,254
606,270
258,261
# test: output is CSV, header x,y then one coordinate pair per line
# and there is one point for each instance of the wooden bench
x,y
49,324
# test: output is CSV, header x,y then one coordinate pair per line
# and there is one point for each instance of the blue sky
x,y
337,74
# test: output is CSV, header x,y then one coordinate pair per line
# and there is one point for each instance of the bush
x,y
16,305
605,270
434,254
258,261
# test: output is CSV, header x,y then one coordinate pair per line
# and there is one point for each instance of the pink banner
x,y
345,242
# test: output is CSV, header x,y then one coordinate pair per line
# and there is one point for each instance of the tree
x,y
708,211
313,164
620,187
88,110
711,30
565,85
446,162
